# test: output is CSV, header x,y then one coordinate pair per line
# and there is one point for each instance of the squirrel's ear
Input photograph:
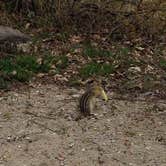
x,y
93,82
90,83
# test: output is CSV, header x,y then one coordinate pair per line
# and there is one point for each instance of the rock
x,y
134,69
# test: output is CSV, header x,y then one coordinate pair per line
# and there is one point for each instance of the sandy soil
x,y
39,129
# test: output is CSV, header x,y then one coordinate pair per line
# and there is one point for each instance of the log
x,y
12,35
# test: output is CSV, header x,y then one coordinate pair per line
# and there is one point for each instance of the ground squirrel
x,y
87,100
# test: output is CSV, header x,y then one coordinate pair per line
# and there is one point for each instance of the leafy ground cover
x,y
129,67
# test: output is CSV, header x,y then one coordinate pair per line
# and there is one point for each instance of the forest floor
x,y
38,127
38,121
39,124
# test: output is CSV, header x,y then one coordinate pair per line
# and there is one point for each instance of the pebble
x,y
83,149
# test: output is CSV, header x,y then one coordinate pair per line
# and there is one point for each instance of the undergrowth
x,y
90,51
104,62
162,63
93,68
23,67
118,19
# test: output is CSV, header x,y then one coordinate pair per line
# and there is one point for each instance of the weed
x,y
3,83
19,68
93,52
62,36
24,67
26,62
61,62
162,63
46,63
74,81
121,53
96,69
22,75
124,51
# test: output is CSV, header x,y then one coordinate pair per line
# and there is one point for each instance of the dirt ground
x,y
39,128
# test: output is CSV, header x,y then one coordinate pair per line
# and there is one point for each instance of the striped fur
x,y
85,102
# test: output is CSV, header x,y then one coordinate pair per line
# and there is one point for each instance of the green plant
x,y
63,36
20,67
61,62
162,63
124,51
96,69
27,62
46,63
3,83
24,67
106,69
6,65
22,74
92,52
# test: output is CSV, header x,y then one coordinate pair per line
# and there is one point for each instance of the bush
x,y
118,19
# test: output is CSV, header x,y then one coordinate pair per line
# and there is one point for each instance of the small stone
x,y
83,150
148,147
140,134
134,69
71,145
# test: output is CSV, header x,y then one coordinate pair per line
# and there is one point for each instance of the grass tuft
x,y
23,67
96,69
61,62
93,52
162,63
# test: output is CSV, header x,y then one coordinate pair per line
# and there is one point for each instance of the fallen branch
x,y
12,35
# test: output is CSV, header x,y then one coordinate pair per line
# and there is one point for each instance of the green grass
x,y
124,51
3,83
46,63
20,68
61,62
93,52
96,69
27,62
23,67
63,36
120,57
162,63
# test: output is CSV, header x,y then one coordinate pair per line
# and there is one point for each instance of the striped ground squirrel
x,y
87,100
